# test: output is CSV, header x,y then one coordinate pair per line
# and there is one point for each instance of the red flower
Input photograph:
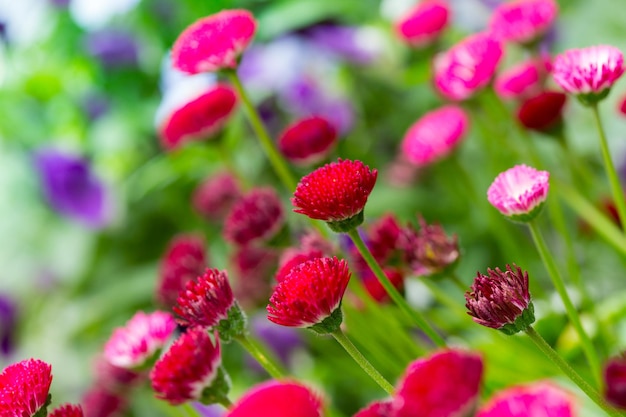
x,y
543,111
214,198
375,288
67,410
292,257
214,42
336,193
188,367
257,216
377,409
615,381
307,141
24,388
310,293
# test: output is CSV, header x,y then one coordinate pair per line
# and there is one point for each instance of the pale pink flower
x,y
424,23
524,79
536,400
523,21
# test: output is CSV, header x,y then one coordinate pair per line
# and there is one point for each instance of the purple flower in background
x,y
114,49
60,3
95,106
71,188
345,42
3,32
283,341
8,318
208,410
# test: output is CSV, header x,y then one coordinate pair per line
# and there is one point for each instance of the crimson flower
x,y
67,410
307,141
376,409
257,216
24,388
542,112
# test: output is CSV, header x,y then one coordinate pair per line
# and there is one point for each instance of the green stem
x,y
616,188
363,363
444,298
558,283
393,292
569,371
263,359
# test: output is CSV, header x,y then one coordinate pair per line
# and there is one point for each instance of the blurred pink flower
x,y
307,141
539,399
524,79
424,23
523,21
255,217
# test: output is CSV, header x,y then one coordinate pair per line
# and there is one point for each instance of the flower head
x,y
589,73
269,399
215,197
535,400
376,409
214,42
188,368
336,193
467,67
310,295
519,192
67,410
446,384
424,23
429,250
524,79
24,388
523,21
257,216
292,257
307,141
435,135
501,300
615,381
542,112
143,336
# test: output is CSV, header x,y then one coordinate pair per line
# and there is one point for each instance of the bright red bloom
x,y
375,288
336,192
215,197
67,410
307,141
377,409
24,388
615,381
101,402
188,367
446,384
183,261
310,293
278,399
424,23
214,42
523,21
543,111
257,216
524,79
292,257
539,399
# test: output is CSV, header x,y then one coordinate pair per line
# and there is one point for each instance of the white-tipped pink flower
x,y
468,66
435,135
214,42
143,336
424,23
588,73
519,192
536,400
523,21
523,80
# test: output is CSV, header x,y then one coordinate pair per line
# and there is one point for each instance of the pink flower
x,y
292,257
67,410
189,366
536,400
589,72
307,141
214,42
615,381
519,192
140,339
542,112
621,108
310,293
524,79
376,409
435,135
24,388
445,384
467,67
215,197
278,399
257,216
523,21
424,23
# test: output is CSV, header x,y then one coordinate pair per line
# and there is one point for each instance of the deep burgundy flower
x,y
24,388
539,399
336,193
257,216
215,197
424,23
429,250
501,300
67,410
523,21
99,401
542,112
307,141
615,381
214,42
310,295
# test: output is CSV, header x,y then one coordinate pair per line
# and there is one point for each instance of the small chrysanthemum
x,y
141,339
24,388
524,79
429,250
519,192
67,410
424,23
257,216
523,21
278,399
467,67
501,300
615,381
336,193
589,73
310,295
292,257
214,42
430,386
215,197
189,369
307,141
535,400
543,112
435,135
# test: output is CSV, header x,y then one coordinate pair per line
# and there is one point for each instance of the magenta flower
x,y
539,399
376,409
523,21
214,42
524,79
589,73
278,399
435,135
467,67
429,250
615,381
67,410
257,216
542,112
307,141
24,388
292,257
143,336
424,23
519,192
215,197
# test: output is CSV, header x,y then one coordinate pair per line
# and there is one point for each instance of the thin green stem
x,y
616,188
363,363
559,285
397,298
270,366
569,371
